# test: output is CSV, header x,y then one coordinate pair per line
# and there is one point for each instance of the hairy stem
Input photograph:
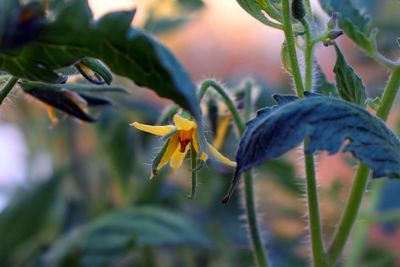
x,y
289,36
361,178
318,252
359,236
308,56
317,245
251,214
7,88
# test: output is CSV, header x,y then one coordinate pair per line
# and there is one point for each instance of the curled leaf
x,y
94,71
72,103
327,123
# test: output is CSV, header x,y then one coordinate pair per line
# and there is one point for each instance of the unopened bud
x,y
335,33
332,23
298,9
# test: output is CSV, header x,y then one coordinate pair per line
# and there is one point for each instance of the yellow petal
x,y
221,132
195,144
178,157
184,124
156,130
52,114
171,148
221,158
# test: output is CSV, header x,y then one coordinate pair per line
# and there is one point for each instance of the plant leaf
x,y
109,238
353,21
256,10
73,35
26,216
349,84
327,123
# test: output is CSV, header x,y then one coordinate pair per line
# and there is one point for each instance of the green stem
x,y
361,178
307,4
318,252
308,57
7,88
193,167
251,214
291,46
227,100
361,228
350,213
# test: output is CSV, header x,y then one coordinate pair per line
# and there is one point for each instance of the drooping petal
x,y
156,130
222,129
184,124
218,156
171,148
52,114
178,157
195,144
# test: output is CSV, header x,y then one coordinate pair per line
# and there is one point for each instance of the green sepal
x,y
157,159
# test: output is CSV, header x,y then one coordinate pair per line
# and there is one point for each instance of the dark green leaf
x,y
63,99
327,123
353,21
349,84
26,216
73,35
107,239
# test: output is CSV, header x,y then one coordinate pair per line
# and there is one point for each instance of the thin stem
x,y
251,215
228,102
288,30
309,14
7,88
248,107
361,178
350,213
308,57
255,235
361,228
193,167
318,252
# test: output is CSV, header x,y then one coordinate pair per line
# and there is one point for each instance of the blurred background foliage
x,y
82,197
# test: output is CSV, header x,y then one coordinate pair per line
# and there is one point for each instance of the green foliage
x,y
349,84
73,35
25,217
125,231
326,123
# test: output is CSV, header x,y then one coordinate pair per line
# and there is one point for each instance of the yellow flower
x,y
181,137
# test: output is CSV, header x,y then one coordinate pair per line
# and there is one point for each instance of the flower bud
x,y
298,9
332,23
335,33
